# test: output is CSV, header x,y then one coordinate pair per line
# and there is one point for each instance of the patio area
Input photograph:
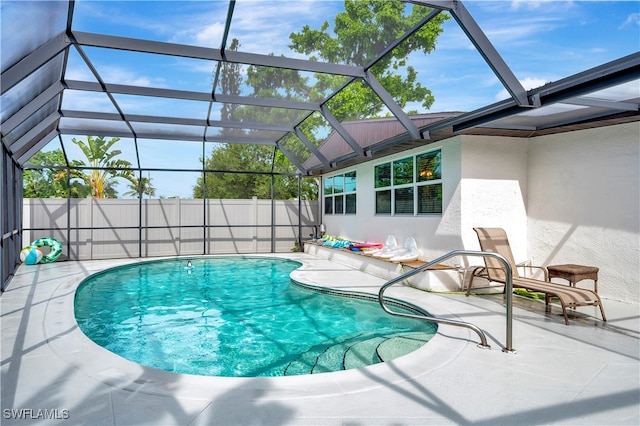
x,y
584,373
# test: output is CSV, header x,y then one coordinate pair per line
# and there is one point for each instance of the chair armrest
x,y
483,272
526,264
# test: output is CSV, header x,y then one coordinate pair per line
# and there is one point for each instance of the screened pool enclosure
x,y
138,129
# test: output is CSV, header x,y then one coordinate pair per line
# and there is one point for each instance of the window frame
x,y
382,193
345,198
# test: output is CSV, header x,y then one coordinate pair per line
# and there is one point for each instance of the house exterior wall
x,y
484,182
584,205
566,198
494,191
434,234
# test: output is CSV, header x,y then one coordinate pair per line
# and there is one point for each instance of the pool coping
x,y
69,343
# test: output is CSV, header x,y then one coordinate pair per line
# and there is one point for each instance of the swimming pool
x,y
237,317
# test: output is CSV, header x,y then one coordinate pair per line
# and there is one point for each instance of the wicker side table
x,y
574,273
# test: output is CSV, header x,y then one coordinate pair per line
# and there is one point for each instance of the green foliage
x,y
107,167
140,187
528,294
48,181
248,157
360,33
257,158
234,185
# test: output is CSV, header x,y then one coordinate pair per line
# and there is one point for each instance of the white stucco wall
x,y
434,234
566,198
584,204
483,177
494,190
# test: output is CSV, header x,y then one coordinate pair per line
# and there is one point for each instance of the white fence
x,y
120,228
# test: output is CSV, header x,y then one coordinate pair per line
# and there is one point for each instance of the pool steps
x,y
355,352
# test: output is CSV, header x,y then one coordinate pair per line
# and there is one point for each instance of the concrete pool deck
x,y
584,373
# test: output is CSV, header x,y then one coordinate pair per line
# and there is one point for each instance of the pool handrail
x,y
508,295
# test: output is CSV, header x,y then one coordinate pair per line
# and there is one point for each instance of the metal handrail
x,y
508,290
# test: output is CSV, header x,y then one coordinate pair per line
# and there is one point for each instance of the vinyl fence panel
x,y
126,228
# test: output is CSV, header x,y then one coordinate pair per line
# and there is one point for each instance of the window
x,y
409,186
383,201
340,194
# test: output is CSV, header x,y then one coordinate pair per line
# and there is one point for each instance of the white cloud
x,y
87,101
532,5
78,73
201,34
211,34
119,75
261,27
632,20
254,23
528,83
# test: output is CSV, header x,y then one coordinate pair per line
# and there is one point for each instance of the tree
x,y
140,187
47,181
238,185
362,31
243,157
233,185
105,167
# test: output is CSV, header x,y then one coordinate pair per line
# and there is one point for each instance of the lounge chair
x,y
495,240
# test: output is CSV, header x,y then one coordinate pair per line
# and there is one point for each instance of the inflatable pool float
x,y
30,255
406,253
55,248
389,244
368,245
388,254
407,257
335,242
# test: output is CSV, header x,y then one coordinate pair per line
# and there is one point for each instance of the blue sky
x,y
541,41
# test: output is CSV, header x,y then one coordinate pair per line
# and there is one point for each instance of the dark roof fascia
x,y
612,73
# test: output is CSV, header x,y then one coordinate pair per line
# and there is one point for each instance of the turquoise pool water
x,y
237,317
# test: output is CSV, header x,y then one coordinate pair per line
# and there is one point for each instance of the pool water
x,y
236,317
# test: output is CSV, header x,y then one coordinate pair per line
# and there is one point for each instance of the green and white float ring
x,y
55,248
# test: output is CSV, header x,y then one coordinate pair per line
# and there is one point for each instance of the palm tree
x,y
141,187
105,168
